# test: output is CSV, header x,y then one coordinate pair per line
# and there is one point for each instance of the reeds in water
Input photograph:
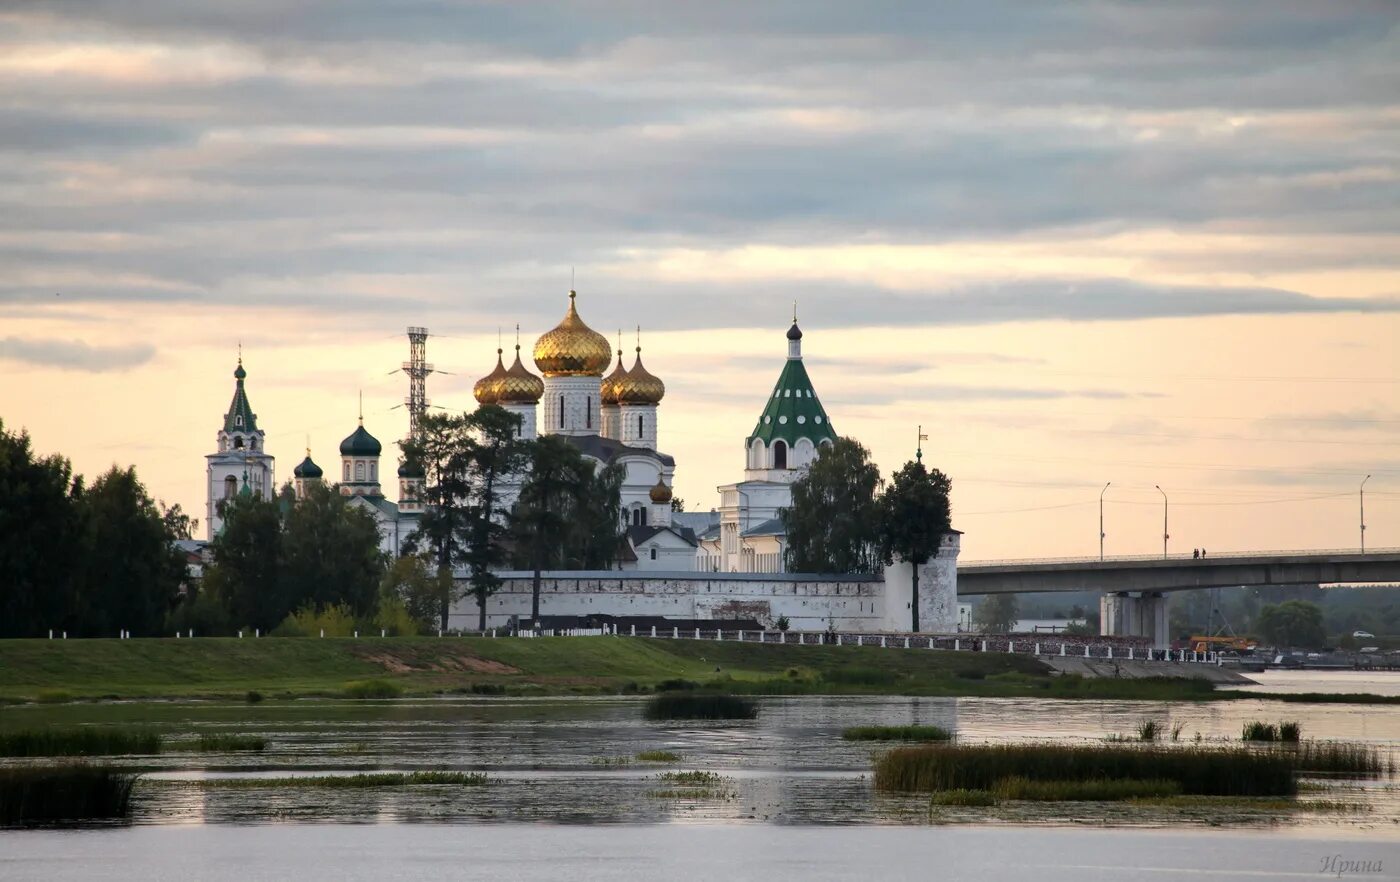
x,y
700,706
1091,790
1197,770
896,733
66,793
1339,758
963,798
88,741
209,743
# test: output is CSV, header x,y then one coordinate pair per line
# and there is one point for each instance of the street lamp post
x,y
1165,534
1363,512
1101,532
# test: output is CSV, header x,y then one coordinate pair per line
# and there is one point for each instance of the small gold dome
x,y
660,493
639,386
485,388
519,386
611,381
572,349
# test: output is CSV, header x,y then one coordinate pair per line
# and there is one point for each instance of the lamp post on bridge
x,y
1362,491
1165,534
1101,532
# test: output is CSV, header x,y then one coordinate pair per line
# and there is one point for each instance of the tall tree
x,y
831,524
594,541
413,581
914,514
1293,623
443,447
131,569
495,453
549,501
245,576
330,553
39,539
997,613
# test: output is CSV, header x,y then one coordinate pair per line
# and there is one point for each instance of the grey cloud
x,y
74,354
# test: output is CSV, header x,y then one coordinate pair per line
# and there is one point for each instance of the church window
x,y
653,554
359,471
779,455
787,393
801,419
253,443
818,418
230,486
238,421
639,425
374,471
588,412
782,420
347,472
561,411
238,443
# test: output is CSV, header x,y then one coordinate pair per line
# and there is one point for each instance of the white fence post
x,y
1130,653
984,646
882,641
1062,649
1110,652
1037,649
1011,646
782,636
634,631
957,644
675,633
653,630
801,638
906,642
1086,650
741,636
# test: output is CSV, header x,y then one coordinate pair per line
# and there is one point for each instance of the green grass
x,y
372,689
350,782
279,668
658,756
896,733
700,706
962,797
691,778
64,793
1089,790
1206,771
86,741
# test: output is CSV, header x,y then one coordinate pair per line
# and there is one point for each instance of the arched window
x,y
359,471
588,411
639,425
238,443
374,471
561,411
653,553
347,471
230,486
253,443
779,454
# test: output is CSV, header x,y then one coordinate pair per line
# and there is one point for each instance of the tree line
x,y
93,561
843,519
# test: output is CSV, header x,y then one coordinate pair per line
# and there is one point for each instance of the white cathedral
x,y
610,419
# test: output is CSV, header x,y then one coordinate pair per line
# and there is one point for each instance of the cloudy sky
x,y
1140,243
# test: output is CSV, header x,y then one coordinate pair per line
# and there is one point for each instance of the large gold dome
x,y
640,386
485,388
519,386
611,381
572,349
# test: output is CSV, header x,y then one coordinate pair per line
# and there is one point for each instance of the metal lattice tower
x,y
417,368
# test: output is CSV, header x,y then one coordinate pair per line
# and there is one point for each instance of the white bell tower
x,y
242,463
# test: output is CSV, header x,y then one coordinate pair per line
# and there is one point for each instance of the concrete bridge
x,y
1133,603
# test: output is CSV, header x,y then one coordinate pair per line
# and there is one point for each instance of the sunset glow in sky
x,y
1079,243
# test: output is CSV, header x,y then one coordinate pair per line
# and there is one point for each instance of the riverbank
x,y
70,670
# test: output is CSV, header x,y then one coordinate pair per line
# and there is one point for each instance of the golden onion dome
x,y
608,395
572,349
519,386
660,493
485,388
640,386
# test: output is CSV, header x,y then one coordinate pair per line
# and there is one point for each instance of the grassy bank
x,y
64,670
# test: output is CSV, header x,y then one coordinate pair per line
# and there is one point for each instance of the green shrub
x,y
1091,790
700,706
253,696
1290,732
1204,771
1148,730
1256,730
372,689
896,733
676,684
488,689
55,696
72,792
88,741
962,797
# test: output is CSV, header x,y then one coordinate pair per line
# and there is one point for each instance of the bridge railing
x,y
1212,557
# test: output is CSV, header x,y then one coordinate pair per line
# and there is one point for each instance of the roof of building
x,y
240,416
484,390
793,411
307,469
639,534
518,385
360,443
770,527
386,507
608,449
572,348
410,469
639,385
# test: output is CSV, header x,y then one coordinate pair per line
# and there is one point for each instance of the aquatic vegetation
x,y
70,792
1148,730
1197,770
676,684
611,761
349,782
1256,730
1090,790
658,756
87,741
691,778
700,706
372,689
692,785
963,797
1290,732
896,733
1338,758
211,743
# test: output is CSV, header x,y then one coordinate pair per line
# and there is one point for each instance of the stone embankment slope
x,y
1139,670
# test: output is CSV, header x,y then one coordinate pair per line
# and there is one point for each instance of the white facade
x,y
572,406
